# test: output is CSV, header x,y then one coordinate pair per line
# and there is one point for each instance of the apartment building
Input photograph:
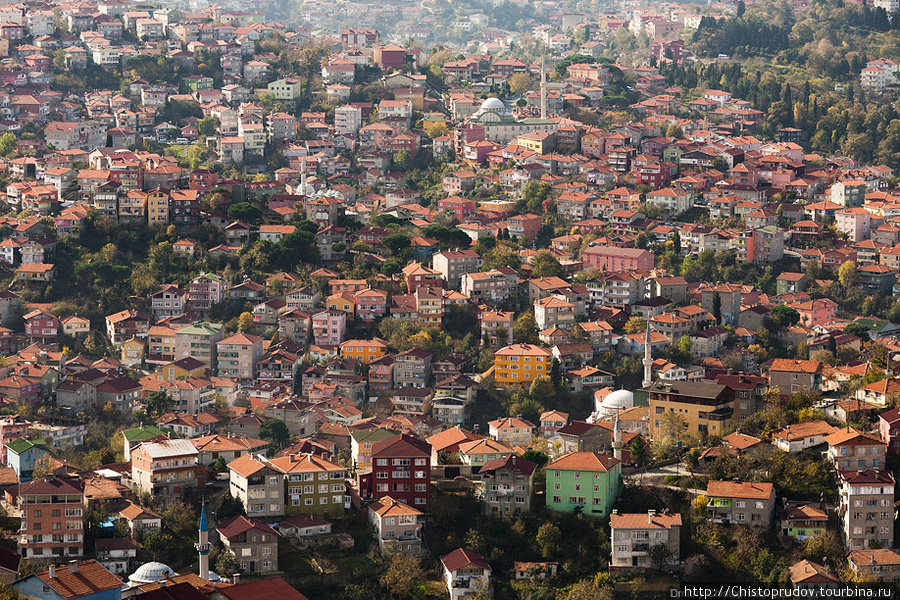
x,y
633,534
866,508
237,356
52,518
743,503
258,485
167,469
315,485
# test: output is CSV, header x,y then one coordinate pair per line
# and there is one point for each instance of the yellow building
x,y
181,369
158,207
704,408
342,301
365,351
518,365
133,351
315,486
541,142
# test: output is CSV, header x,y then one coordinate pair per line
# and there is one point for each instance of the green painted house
x,y
803,522
588,482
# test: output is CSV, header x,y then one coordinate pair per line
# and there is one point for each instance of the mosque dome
x,y
150,572
616,401
493,104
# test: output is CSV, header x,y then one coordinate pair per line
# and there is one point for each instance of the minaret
x,y
648,360
617,439
203,545
543,90
303,177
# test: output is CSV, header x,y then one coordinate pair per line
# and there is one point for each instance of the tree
x,y
246,323
848,275
717,307
437,129
548,538
404,574
276,432
208,126
230,507
43,467
244,211
520,83
396,243
542,390
660,555
226,563
638,450
525,329
586,589
158,403
636,325
546,265
7,143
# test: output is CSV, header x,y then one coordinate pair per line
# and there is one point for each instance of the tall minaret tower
x,y
543,90
648,360
303,177
203,545
617,439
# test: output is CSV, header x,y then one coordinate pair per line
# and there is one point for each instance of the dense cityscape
x,y
532,300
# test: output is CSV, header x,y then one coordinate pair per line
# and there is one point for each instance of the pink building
x,y
816,312
329,327
608,258
855,222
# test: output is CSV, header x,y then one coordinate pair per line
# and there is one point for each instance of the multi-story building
x,y
744,503
412,368
614,258
706,407
315,485
881,565
258,485
52,521
253,543
586,481
512,430
199,341
507,484
790,376
237,356
498,285
517,365
466,574
22,454
803,522
328,327
852,450
206,290
401,469
454,264
166,469
633,534
365,351
397,526
866,508
554,312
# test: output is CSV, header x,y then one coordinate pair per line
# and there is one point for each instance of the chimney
x,y
292,457
236,579
615,511
162,583
73,566
52,572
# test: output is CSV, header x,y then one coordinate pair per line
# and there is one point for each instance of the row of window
x,y
323,500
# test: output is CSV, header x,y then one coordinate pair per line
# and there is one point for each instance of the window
x,y
308,501
760,506
557,499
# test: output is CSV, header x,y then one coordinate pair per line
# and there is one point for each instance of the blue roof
x,y
204,524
